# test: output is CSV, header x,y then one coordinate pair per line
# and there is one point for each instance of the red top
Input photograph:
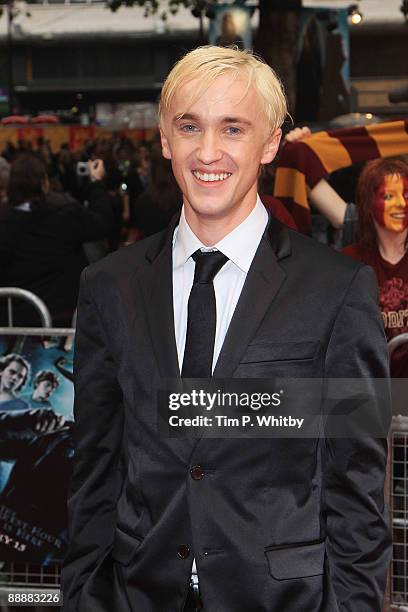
x,y
393,298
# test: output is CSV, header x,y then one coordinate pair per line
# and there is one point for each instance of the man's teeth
x,y
211,177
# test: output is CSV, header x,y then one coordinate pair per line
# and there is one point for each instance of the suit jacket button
x,y
197,472
183,551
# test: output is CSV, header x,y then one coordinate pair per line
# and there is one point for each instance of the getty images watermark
x,y
208,401
280,407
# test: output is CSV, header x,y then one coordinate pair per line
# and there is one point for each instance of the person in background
x,y
382,202
4,179
143,163
152,211
42,236
63,170
380,217
323,197
116,187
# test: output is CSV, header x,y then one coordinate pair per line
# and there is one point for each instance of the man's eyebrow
x,y
237,120
224,120
182,116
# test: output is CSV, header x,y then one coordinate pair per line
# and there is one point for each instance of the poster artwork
x,y
231,26
36,448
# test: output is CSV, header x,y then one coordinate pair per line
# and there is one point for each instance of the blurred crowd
x,y
130,170
62,210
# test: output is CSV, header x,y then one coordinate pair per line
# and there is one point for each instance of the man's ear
x,y
165,145
271,147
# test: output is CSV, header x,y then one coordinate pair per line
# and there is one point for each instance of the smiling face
x,y
390,203
216,145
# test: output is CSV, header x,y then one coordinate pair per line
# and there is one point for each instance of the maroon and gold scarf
x,y
303,164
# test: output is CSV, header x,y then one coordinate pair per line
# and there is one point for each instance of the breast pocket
x,y
298,561
294,359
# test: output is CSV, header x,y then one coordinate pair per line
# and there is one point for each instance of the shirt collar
x,y
185,242
239,245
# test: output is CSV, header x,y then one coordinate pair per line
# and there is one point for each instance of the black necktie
x,y
202,316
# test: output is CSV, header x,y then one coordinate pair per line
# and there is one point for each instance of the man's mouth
x,y
211,177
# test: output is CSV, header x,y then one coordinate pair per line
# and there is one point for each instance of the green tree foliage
x,y
275,39
166,7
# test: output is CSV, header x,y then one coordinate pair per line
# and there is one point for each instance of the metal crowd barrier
x,y
397,342
46,578
15,292
397,493
18,577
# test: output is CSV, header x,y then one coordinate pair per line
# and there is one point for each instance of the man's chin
x,y
211,209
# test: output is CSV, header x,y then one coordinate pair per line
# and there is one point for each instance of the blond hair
x,y
209,62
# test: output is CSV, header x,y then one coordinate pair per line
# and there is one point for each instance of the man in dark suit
x,y
226,525
42,238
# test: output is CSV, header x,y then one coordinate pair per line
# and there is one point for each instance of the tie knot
x,y
208,264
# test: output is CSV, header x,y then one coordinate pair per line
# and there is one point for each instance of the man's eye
x,y
188,128
233,131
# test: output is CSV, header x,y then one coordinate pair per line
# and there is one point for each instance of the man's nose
x,y
209,149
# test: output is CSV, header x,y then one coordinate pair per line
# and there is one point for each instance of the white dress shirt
x,y
239,246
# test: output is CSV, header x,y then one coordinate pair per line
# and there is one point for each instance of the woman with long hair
x,y
382,202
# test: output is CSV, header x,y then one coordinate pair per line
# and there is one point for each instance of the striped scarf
x,y
303,164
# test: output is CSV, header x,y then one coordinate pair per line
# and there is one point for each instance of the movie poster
x,y
36,449
231,26
323,64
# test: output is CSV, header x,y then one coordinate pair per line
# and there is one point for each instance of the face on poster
x,y
36,447
36,373
322,23
231,26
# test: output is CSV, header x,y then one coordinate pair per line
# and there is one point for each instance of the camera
x,y
82,168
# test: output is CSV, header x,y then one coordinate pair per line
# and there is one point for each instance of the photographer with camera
x,y
42,236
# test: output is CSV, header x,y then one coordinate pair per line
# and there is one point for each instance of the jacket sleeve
x,y
98,432
357,533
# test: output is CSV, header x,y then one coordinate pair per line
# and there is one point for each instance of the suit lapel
x,y
157,288
263,282
156,285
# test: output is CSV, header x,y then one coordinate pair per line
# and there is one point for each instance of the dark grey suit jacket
x,y
274,525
